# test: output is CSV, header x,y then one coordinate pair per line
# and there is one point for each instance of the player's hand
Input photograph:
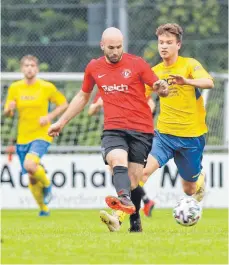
x,y
44,120
55,129
100,102
161,87
12,105
179,80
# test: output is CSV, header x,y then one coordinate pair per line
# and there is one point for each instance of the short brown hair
x,y
171,28
30,58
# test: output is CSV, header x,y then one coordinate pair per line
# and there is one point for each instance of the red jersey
x,y
122,88
97,96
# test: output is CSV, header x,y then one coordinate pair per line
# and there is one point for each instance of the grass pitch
x,y
79,237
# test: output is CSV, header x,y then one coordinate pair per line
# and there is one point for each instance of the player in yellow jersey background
x,y
31,98
181,126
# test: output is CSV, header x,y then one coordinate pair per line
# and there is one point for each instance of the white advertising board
x,y
83,181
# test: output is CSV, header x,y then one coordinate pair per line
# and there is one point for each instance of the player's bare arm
x,y
95,107
75,107
151,104
161,88
200,82
52,115
9,111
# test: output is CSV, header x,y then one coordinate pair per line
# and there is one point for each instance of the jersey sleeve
x,y
147,74
197,70
11,95
56,97
88,82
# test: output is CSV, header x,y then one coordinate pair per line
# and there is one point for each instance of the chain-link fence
x,y
65,34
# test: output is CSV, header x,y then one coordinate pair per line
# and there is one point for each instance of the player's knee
x,y
189,188
117,157
151,166
144,179
133,185
117,162
30,166
145,176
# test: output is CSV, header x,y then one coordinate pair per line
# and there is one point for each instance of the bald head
x,y
112,44
111,33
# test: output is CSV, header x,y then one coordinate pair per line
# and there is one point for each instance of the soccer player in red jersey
x,y
94,108
128,126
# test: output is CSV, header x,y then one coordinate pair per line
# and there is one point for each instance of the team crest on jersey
x,y
126,73
197,67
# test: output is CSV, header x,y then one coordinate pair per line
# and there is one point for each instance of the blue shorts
x,y
186,151
37,147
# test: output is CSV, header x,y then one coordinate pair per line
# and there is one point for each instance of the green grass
x,y
78,237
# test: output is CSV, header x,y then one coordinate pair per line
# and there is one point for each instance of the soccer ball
x,y
187,212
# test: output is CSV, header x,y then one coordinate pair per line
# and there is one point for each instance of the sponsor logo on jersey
x,y
28,97
121,88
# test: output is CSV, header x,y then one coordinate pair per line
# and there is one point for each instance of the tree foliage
x,y
56,31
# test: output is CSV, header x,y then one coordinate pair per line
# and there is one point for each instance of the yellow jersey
x,y
32,102
182,113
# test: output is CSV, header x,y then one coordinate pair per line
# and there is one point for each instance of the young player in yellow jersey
x,y
31,98
181,123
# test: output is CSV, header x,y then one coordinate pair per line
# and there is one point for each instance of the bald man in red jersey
x,y
128,126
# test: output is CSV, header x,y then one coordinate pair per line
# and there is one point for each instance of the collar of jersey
x,y
172,65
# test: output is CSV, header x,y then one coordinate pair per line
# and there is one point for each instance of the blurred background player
x,y
31,97
128,126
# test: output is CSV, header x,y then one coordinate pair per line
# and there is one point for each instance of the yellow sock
x,y
141,183
37,191
121,215
41,176
200,181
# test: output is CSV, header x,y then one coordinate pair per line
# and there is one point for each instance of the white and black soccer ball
x,y
187,211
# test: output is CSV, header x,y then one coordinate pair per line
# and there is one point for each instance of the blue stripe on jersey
x,y
198,94
49,107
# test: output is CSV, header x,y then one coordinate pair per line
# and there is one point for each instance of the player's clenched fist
x,y
55,129
179,80
161,87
